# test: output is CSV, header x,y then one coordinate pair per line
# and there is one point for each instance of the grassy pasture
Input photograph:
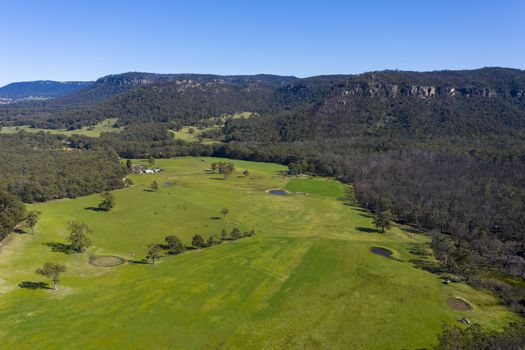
x,y
306,280
185,134
316,186
93,131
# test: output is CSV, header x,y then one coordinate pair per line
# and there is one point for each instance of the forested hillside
x,y
139,97
40,167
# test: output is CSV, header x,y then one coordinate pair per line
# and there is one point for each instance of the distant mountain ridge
x,y
115,84
40,88
400,101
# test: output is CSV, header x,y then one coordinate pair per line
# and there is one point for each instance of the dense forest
x,y
40,167
12,211
446,149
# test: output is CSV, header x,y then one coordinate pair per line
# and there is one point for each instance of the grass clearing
x,y
194,134
92,131
307,279
325,187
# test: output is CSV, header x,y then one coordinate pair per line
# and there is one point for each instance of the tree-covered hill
x,y
115,84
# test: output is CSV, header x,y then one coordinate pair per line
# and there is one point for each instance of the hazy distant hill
x,y
41,88
115,84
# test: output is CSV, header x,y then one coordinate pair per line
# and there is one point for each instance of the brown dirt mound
x,y
106,260
459,304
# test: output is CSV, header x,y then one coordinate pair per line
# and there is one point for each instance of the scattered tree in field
x,y
33,216
51,271
174,244
383,220
154,186
226,169
213,240
236,233
224,235
224,212
108,201
128,164
191,131
153,253
246,173
78,238
151,160
198,241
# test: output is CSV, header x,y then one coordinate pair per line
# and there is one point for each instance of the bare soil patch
x,y
459,304
106,260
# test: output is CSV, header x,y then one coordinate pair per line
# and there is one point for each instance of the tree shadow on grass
x,y
216,218
217,178
19,231
347,200
93,209
141,261
59,247
367,229
412,230
428,265
368,216
420,249
33,285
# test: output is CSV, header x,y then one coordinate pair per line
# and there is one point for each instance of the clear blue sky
x,y
83,40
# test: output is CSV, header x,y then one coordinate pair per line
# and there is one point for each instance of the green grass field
x,y
185,134
306,280
93,131
316,186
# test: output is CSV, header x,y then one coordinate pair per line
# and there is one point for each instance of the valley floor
x,y
306,280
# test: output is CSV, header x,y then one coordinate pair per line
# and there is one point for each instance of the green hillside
x,y
93,131
307,279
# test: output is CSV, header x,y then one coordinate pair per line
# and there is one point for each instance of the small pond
x,y
387,253
278,192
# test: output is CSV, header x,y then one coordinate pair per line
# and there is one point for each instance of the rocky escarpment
x,y
378,89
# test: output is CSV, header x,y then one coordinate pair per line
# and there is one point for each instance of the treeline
x,y
477,338
40,167
12,211
174,246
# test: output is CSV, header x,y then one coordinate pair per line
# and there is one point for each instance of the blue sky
x,y
83,40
